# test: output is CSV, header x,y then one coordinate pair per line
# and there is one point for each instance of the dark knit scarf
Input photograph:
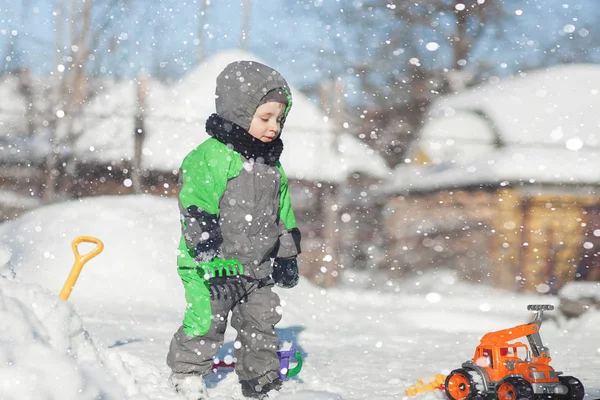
x,y
243,142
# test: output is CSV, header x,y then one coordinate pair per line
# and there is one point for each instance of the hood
x,y
241,87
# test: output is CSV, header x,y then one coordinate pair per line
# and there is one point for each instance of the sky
x,y
367,338
165,32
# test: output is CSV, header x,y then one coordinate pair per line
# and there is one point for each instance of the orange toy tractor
x,y
511,371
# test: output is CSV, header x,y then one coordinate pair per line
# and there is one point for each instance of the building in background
x,y
22,149
504,184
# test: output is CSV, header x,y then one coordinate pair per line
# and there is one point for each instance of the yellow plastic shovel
x,y
424,386
80,260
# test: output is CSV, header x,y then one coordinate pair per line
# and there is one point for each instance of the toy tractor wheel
x,y
514,388
575,387
460,385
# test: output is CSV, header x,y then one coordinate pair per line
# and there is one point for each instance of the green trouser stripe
x,y
198,313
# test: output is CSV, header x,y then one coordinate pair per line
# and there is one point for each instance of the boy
x,y
236,216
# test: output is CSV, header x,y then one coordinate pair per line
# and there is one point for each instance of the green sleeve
x,y
204,175
289,234
286,213
205,172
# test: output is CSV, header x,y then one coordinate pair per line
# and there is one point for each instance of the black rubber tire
x,y
576,389
514,388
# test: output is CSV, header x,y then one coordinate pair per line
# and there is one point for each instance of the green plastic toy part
x,y
296,370
218,268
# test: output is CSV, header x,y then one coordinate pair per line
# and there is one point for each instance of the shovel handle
x,y
80,260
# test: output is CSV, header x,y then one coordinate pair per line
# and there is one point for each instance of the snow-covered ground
x,y
109,339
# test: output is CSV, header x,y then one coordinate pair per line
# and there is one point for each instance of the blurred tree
x,y
202,12
396,56
401,54
246,13
15,45
565,33
80,27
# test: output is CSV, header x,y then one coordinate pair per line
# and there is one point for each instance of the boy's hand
x,y
285,272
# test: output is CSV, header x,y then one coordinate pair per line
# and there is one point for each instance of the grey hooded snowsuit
x,y
235,205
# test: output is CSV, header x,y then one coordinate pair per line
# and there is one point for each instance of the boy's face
x,y
266,122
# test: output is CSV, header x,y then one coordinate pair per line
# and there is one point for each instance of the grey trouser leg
x,y
194,354
254,315
255,320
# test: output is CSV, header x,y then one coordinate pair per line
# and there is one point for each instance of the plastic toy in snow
x,y
424,386
286,354
506,369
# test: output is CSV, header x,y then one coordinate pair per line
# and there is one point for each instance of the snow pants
x,y
254,309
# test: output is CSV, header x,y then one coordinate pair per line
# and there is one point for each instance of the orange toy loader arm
x,y
530,330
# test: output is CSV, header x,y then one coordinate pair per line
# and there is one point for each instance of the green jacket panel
x,y
203,178
289,236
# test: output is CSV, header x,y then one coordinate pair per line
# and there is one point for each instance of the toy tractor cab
x,y
510,370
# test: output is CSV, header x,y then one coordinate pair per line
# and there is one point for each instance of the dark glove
x,y
285,272
202,233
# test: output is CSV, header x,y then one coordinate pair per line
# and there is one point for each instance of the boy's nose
x,y
274,126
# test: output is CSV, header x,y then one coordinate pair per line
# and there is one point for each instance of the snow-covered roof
x,y
17,143
175,119
13,107
551,106
505,166
541,127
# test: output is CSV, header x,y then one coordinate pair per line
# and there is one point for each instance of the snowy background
x,y
175,118
110,338
367,338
